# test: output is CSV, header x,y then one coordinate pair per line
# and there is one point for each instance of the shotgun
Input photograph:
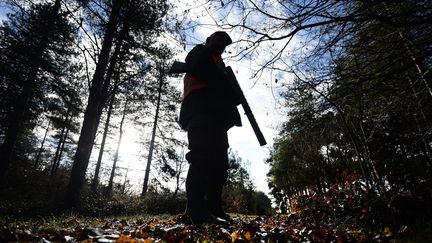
x,y
180,67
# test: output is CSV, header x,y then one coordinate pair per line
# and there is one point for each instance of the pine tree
x,y
35,49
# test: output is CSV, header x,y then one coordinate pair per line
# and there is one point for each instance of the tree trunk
x,y
178,173
123,190
151,147
110,73
92,113
111,180
61,152
417,64
59,145
42,145
54,163
95,180
16,119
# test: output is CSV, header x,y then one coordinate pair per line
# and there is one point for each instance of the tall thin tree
x,y
117,152
155,123
92,112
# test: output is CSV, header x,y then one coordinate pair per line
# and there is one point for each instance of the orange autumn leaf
x,y
247,236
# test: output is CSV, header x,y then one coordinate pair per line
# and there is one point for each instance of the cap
x,y
223,35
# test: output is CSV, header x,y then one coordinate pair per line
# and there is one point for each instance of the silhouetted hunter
x,y
208,111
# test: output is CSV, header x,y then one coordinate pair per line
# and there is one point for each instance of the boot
x,y
214,201
195,193
196,204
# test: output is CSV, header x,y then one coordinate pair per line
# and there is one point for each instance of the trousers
x,y
208,172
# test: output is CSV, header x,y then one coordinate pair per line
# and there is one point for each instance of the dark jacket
x,y
213,106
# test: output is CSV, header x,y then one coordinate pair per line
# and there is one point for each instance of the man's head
x,y
218,41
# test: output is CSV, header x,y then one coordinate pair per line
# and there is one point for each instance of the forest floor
x,y
164,228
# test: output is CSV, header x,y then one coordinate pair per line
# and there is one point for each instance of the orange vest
x,y
192,83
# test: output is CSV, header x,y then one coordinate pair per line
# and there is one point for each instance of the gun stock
x,y
178,67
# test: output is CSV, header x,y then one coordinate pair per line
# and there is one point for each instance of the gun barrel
x,y
232,78
253,123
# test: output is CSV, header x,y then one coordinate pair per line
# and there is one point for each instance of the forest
x,y
351,161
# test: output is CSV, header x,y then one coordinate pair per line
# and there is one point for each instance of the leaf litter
x,y
282,228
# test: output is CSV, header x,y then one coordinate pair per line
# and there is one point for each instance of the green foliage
x,y
38,71
360,110
30,192
348,204
36,193
358,106
24,33
164,203
239,195
123,204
